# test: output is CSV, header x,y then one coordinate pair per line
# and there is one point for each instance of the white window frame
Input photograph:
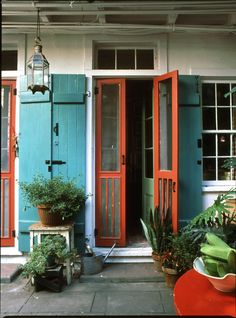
x,y
220,183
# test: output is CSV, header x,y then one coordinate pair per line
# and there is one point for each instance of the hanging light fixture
x,y
38,66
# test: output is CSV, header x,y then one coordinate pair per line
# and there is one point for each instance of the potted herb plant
x,y
58,201
178,257
49,253
157,229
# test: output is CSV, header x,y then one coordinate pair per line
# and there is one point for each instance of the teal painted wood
x,y
190,172
34,149
70,144
68,88
26,96
188,90
38,142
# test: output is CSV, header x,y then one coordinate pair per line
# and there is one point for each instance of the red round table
x,y
195,295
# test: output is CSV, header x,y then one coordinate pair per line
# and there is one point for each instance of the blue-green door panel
x,y
26,96
190,169
68,88
70,142
69,146
34,149
188,90
38,142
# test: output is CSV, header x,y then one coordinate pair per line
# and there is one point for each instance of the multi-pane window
x,y
219,129
125,58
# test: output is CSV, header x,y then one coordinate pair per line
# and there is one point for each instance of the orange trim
x,y
10,174
170,174
119,174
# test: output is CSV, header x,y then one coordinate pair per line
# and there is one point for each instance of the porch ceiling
x,y
119,17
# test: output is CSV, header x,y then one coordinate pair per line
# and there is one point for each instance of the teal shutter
x,y
40,141
34,149
69,136
190,152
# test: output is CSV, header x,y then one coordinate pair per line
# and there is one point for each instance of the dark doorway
x,y
138,95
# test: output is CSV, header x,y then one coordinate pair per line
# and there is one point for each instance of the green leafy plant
x,y
53,249
218,212
180,253
157,229
63,197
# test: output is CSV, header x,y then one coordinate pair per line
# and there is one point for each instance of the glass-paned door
x,y
7,162
166,144
110,163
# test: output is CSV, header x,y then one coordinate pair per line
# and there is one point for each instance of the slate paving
x,y
85,297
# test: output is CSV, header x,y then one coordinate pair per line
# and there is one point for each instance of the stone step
x,y
9,272
125,273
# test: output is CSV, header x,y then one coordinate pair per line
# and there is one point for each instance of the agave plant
x,y
157,229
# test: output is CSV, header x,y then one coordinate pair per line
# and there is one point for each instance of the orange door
x,y
166,144
110,163
7,162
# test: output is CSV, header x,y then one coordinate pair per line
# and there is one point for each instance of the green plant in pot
x,y
157,229
57,200
52,251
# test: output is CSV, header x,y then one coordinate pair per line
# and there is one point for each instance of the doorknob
x,y
123,160
174,184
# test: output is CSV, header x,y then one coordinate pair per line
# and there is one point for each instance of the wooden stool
x,y
67,230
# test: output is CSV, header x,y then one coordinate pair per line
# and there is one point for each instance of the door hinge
x,y
199,143
14,91
13,233
95,232
96,90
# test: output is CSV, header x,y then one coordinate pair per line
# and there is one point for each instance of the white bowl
x,y
225,284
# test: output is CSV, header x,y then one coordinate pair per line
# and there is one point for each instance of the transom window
x,y
219,130
125,58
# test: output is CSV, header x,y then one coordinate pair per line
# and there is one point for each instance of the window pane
x,y
209,144
5,128
208,94
145,59
224,145
234,118
9,61
149,163
110,128
221,90
148,133
223,118
223,173
165,124
125,59
209,118
209,169
106,59
233,95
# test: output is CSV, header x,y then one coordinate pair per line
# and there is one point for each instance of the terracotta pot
x,y
157,262
51,219
171,276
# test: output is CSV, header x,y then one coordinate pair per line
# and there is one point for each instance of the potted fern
x,y
157,229
58,201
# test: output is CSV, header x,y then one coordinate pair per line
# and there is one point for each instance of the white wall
x,y
206,55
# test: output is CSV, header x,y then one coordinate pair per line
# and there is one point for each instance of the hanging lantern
x,y
38,67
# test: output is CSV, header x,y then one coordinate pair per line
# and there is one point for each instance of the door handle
x,y
55,162
123,159
174,184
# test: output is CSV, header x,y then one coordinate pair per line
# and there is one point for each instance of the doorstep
x,y
126,254
9,272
